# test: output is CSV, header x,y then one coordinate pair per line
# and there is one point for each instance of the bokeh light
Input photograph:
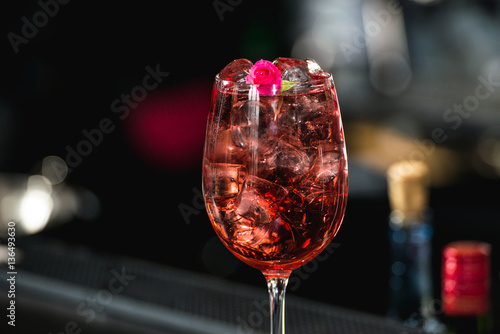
x,y
167,129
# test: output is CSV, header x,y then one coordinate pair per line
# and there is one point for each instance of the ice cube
x,y
251,206
293,209
236,70
275,238
278,238
321,206
222,214
306,117
325,168
225,181
258,200
284,63
251,121
316,128
296,74
291,162
292,109
284,163
315,71
265,167
293,69
298,70
223,149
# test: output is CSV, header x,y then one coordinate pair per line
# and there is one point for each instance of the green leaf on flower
x,y
285,85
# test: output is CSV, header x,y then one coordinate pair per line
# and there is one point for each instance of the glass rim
x,y
298,88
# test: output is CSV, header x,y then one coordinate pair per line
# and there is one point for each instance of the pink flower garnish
x,y
266,75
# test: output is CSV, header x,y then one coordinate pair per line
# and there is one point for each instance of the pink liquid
x,y
275,176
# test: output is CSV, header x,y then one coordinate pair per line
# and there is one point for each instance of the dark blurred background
x,y
120,92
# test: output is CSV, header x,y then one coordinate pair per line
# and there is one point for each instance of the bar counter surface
x,y
63,288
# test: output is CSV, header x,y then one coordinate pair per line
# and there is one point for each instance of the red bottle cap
x,y
466,278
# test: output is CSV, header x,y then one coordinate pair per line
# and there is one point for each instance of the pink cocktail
x,y
275,167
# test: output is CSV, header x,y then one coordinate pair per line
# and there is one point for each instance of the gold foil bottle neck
x,y
408,190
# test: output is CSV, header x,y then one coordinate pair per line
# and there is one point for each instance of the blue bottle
x,y
410,236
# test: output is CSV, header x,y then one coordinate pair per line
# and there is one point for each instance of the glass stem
x,y
276,287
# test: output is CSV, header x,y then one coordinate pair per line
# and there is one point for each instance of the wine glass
x,y
275,170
